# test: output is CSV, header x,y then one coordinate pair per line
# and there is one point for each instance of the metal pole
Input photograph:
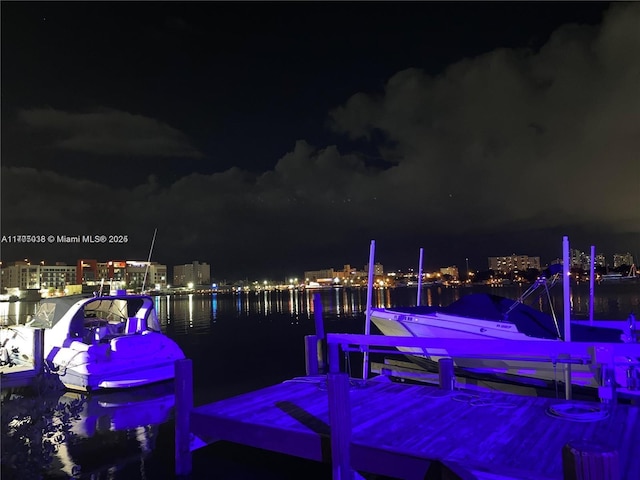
x,y
419,278
566,271
146,270
467,260
591,282
367,323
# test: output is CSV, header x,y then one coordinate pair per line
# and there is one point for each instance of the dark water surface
x,y
238,343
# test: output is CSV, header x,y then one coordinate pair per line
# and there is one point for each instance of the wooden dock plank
x,y
499,434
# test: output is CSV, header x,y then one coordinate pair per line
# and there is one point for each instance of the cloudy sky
x,y
271,138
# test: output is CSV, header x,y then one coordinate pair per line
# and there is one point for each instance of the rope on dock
x,y
577,412
321,381
478,401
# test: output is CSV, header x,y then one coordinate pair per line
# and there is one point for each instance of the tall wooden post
x,y
317,315
311,354
322,344
334,357
184,405
340,423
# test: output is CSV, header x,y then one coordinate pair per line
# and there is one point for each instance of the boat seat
x,y
99,333
134,325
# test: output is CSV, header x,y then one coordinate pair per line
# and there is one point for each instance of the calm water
x,y
237,343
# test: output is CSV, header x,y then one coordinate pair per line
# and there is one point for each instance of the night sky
x,y
271,138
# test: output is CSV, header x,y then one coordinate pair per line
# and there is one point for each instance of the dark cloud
x,y
498,153
109,132
515,135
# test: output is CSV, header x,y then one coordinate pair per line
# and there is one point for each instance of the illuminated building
x,y
25,275
195,273
620,259
513,262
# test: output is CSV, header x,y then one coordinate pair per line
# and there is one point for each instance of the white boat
x,y
491,317
99,342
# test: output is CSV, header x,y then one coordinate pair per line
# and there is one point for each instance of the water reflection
x,y
350,302
82,436
610,301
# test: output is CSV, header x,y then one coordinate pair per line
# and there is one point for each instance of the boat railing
x,y
541,282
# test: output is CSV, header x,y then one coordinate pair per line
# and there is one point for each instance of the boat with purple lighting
x,y
97,342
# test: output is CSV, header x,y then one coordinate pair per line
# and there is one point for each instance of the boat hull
x,y
80,380
122,362
526,370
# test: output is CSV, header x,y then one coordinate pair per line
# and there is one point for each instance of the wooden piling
x,y
446,376
183,407
311,354
322,341
317,315
334,357
584,460
340,424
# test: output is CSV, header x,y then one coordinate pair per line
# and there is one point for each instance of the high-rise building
x,y
195,273
141,274
320,277
579,259
378,269
620,259
57,276
513,262
129,273
25,275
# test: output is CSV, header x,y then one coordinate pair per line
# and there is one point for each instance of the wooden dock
x,y
399,430
17,376
415,431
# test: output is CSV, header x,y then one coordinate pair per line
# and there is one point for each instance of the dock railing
x,y
606,356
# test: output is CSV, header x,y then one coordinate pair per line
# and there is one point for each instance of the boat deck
x,y
399,430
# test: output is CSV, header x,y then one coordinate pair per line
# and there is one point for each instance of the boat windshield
x,y
118,310
51,310
111,310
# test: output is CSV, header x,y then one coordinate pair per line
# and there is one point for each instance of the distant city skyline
x,y
193,267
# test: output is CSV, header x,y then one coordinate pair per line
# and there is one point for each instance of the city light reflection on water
x,y
609,303
613,302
